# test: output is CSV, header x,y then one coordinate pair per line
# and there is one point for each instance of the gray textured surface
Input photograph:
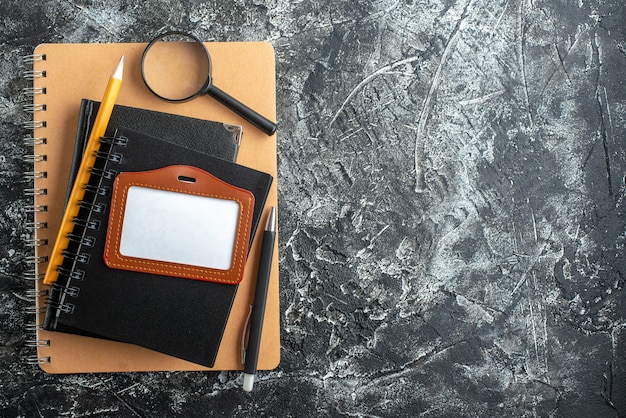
x,y
452,185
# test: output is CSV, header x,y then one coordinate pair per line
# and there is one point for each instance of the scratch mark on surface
x,y
350,134
21,297
605,146
522,61
482,99
534,329
128,388
561,65
383,70
532,214
608,110
371,244
562,62
383,377
545,343
420,182
514,236
606,114
381,232
128,406
493,30
519,284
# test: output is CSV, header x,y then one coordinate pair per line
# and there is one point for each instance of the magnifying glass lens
x,y
176,67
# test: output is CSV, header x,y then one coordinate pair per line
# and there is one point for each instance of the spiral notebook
x,y
172,315
246,71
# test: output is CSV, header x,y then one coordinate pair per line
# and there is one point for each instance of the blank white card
x,y
179,228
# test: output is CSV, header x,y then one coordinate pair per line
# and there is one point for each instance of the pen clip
x,y
244,336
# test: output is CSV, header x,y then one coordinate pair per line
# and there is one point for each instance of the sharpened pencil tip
x,y
119,70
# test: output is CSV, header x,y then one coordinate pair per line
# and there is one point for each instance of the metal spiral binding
x,y
35,208
33,327
61,305
72,291
36,225
72,274
35,360
33,91
114,140
33,194
34,107
32,74
37,242
30,141
32,58
34,124
32,276
82,240
116,158
66,290
35,310
35,158
33,342
33,175
70,269
92,207
78,257
107,174
36,259
87,224
99,190
33,294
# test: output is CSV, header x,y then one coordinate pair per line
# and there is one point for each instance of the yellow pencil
x,y
82,177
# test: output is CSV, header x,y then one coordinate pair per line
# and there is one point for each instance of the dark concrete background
x,y
452,202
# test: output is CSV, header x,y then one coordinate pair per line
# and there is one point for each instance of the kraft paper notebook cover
x,y
174,315
63,74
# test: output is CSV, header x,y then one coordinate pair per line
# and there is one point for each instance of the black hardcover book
x,y
218,139
180,317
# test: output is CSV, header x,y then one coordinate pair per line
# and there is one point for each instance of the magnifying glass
x,y
176,67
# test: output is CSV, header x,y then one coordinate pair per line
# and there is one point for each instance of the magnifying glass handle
x,y
242,110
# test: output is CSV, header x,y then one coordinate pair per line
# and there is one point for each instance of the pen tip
x,y
271,220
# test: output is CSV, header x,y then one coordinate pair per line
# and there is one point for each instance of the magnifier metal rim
x,y
202,90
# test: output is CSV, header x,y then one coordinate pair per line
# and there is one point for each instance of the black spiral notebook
x,y
179,317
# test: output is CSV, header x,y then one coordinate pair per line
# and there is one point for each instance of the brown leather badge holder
x,y
179,221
